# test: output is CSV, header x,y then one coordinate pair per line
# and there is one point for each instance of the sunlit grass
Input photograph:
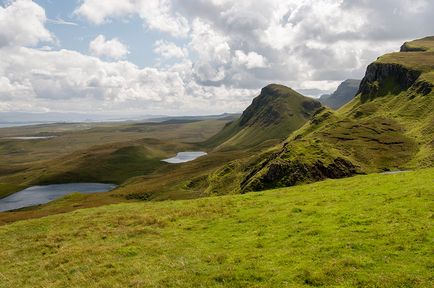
x,y
365,231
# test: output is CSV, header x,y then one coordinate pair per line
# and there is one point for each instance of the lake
x,y
37,195
183,157
29,137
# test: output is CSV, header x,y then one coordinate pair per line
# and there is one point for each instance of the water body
x,y
395,172
30,137
37,195
21,124
183,157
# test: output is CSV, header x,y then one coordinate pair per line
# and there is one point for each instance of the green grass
x,y
365,231
424,44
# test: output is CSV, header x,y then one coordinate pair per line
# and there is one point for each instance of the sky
x,y
190,57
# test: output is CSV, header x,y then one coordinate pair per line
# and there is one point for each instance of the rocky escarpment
x,y
276,172
422,87
386,78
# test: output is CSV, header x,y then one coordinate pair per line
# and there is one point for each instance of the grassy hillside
x,y
365,231
271,117
388,126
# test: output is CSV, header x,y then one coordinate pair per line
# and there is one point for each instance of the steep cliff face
x,y
386,78
278,173
409,70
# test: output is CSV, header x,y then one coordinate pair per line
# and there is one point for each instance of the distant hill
x,y
344,94
388,126
187,119
274,114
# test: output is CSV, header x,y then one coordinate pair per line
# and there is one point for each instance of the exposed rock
x,y
422,88
384,78
282,173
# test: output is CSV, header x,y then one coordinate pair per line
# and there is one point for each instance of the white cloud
x,y
212,50
168,50
67,80
250,60
98,11
22,24
156,14
108,48
225,52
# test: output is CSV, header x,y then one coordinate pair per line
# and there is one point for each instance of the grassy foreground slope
x,y
365,231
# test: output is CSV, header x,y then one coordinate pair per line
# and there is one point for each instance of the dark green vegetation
x,y
365,231
272,116
344,94
388,126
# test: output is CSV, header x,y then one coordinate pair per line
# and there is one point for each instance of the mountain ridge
x,y
276,112
388,126
345,92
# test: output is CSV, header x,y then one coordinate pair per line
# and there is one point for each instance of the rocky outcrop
x,y
385,78
281,173
422,88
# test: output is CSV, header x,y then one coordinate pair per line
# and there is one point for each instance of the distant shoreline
x,y
20,124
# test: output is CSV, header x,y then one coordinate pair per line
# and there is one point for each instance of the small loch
x,y
183,157
37,195
30,137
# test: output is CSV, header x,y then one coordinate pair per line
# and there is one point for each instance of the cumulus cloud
x,y
22,24
168,50
68,80
250,60
113,48
156,14
217,53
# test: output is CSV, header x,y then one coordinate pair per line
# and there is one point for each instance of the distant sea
x,y
6,125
